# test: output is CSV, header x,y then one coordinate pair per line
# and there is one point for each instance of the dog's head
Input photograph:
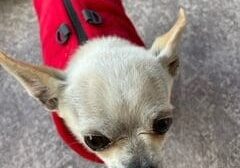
x,y
114,96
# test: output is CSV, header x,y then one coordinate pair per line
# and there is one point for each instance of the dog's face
x,y
114,96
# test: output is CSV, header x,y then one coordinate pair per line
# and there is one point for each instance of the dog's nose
x,y
140,164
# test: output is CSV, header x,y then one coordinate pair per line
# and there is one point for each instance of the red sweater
x,y
67,24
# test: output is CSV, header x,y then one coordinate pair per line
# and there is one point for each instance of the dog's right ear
x,y
41,82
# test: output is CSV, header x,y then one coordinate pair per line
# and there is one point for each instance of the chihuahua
x,y
114,96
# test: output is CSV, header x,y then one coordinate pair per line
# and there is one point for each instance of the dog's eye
x,y
97,143
161,126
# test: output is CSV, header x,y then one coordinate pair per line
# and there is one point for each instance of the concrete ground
x,y
206,129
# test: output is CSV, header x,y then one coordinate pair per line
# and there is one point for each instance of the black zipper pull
x,y
81,35
92,17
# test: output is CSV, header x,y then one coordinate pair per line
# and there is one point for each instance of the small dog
x,y
121,115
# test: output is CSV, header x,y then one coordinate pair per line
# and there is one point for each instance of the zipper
x,y
81,35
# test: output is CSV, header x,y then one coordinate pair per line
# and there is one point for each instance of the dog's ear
x,y
41,82
165,47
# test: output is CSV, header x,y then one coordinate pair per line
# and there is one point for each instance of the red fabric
x,y
51,14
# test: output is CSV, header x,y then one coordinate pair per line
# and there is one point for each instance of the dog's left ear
x,y
165,47
41,82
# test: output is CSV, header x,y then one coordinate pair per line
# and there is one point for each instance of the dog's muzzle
x,y
140,163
